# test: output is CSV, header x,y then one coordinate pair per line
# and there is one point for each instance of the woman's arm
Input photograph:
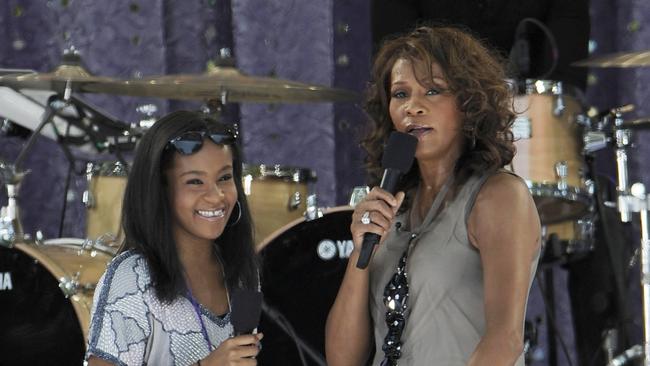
x,y
504,226
348,331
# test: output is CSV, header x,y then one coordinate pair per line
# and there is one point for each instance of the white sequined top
x,y
130,326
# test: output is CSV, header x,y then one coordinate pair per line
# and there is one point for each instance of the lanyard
x,y
197,309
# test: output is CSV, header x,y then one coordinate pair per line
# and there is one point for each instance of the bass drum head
x,y
303,266
38,325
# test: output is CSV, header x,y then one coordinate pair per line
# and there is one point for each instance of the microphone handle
x,y
369,241
389,183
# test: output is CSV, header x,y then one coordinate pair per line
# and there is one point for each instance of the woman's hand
x,y
380,207
240,350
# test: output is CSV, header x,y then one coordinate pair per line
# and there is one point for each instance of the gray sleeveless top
x,y
445,319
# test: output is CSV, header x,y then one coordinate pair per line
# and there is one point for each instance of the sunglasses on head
x,y
191,141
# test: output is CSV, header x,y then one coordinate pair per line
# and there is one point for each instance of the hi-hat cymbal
x,y
621,59
226,84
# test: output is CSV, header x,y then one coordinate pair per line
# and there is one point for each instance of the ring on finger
x,y
365,218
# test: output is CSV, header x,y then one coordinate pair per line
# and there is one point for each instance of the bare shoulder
x,y
502,188
503,207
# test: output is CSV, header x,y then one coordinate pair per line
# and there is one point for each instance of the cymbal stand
x,y
629,200
11,229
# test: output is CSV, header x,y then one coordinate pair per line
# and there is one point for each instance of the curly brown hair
x,y
476,77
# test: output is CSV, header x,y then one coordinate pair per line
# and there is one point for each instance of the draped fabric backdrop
x,y
321,42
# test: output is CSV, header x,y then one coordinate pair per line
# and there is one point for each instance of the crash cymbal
x,y
621,59
226,84
71,72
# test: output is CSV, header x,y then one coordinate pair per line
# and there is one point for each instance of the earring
x,y
238,215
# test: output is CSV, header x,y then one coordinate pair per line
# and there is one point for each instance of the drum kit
x,y
305,249
46,286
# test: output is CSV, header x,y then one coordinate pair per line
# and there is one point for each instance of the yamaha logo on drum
x,y
328,249
5,281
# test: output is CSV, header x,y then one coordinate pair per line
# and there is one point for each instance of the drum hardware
x,y
312,212
562,172
610,343
358,194
149,112
87,197
69,286
294,201
619,59
559,106
632,199
11,229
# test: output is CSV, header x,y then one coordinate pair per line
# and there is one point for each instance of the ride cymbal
x,y
226,84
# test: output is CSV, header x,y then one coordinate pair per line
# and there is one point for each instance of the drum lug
x,y
312,212
358,194
559,107
562,172
69,286
87,198
294,201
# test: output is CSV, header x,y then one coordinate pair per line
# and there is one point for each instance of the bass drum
x,y
46,294
303,266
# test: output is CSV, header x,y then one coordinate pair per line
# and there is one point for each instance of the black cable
x,y
284,324
66,187
551,320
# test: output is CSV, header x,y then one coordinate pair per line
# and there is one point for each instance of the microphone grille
x,y
399,151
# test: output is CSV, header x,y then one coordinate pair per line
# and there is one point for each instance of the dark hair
x,y
476,77
147,212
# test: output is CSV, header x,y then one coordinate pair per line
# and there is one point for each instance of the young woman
x,y
164,300
449,281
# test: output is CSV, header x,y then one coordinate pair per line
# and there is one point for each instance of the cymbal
x,y
621,59
226,84
70,73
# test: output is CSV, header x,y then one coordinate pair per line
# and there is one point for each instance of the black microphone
x,y
397,160
246,308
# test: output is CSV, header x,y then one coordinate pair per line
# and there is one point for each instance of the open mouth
x,y
417,131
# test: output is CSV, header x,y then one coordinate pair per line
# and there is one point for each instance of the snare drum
x,y
46,294
549,150
103,198
303,266
276,195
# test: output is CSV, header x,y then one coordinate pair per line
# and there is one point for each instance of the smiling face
x,y
428,112
202,193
